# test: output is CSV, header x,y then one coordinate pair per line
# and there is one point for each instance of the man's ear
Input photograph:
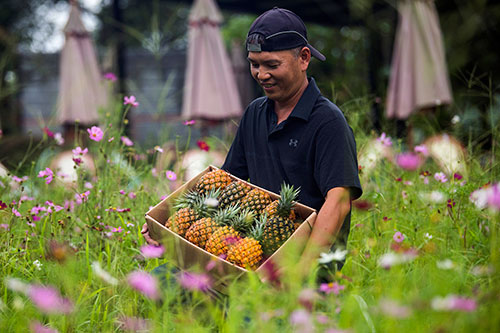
x,y
305,57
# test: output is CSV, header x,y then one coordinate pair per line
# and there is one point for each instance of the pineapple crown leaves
x,y
227,215
288,194
257,230
244,220
202,204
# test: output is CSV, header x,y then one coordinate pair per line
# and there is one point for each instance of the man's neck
x,y
284,108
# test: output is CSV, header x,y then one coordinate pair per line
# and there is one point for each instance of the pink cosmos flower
x,y
332,287
454,303
79,151
394,309
409,161
134,324
58,138
159,149
15,212
421,149
457,176
189,122
144,283
46,173
132,195
19,180
494,197
110,77
4,226
126,141
440,177
398,237
385,140
171,175
151,251
48,300
130,101
95,133
302,321
203,145
37,327
119,229
194,281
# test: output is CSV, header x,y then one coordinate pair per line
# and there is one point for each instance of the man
x,y
294,134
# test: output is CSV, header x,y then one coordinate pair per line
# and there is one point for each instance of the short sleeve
x,y
336,162
236,162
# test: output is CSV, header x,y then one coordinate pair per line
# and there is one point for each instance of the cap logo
x,y
254,47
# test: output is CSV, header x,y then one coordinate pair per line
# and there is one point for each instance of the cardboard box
x,y
188,256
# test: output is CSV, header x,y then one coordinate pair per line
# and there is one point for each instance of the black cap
x,y
280,29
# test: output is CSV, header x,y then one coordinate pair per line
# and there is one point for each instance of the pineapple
x,y
247,252
217,179
256,200
284,205
230,221
279,226
202,229
233,193
190,207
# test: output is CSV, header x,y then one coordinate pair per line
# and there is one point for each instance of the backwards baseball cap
x,y
280,29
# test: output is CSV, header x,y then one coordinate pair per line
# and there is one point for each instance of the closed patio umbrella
x,y
81,89
419,77
210,90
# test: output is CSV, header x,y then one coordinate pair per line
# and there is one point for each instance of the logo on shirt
x,y
293,143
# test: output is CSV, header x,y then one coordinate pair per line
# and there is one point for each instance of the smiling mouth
x,y
267,86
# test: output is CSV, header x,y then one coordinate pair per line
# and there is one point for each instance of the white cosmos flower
x,y
338,255
445,264
101,273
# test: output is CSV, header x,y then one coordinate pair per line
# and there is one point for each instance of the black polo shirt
x,y
314,149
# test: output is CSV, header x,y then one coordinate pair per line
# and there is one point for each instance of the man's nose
x,y
262,75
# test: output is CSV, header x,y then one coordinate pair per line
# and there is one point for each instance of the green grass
x,y
375,299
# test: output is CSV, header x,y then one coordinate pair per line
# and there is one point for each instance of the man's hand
x,y
145,233
330,218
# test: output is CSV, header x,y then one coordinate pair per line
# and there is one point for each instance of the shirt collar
x,y
306,102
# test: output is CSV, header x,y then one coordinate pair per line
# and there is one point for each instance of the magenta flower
x,y
398,237
203,145
48,174
110,77
409,161
130,101
385,140
171,175
144,283
49,133
440,177
48,300
132,195
151,251
332,287
79,151
194,281
4,226
95,133
189,122
422,149
3,205
119,229
126,141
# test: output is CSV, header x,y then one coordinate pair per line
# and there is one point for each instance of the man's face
x,y
279,73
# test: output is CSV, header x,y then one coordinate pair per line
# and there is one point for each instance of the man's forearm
x,y
327,225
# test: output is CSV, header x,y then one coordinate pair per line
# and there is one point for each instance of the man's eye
x,y
254,65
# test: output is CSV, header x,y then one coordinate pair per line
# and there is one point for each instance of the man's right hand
x,y
145,234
